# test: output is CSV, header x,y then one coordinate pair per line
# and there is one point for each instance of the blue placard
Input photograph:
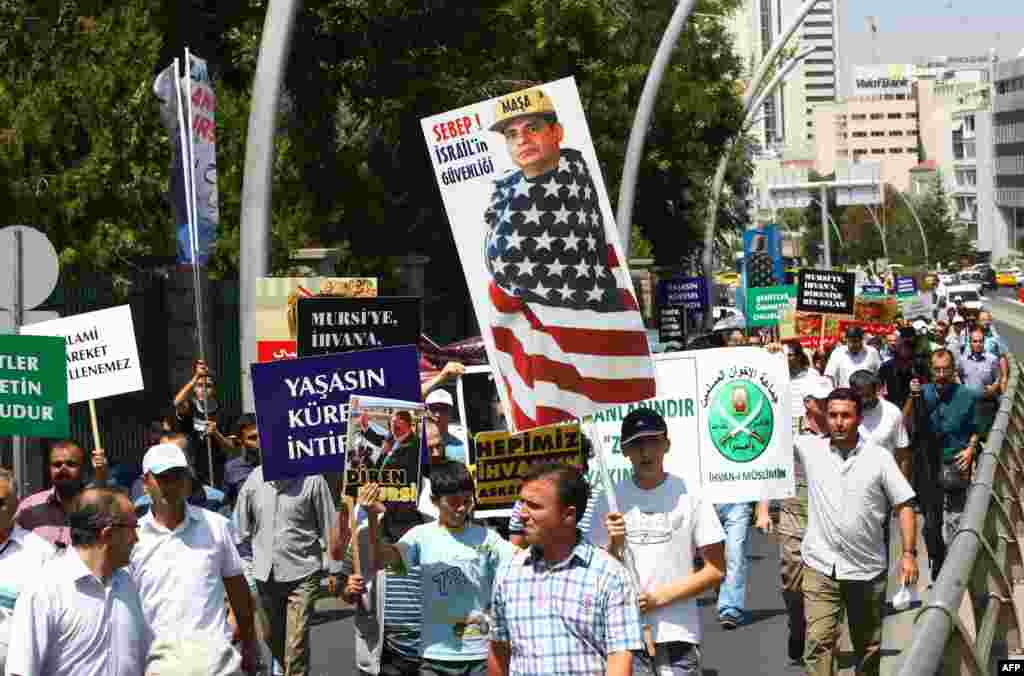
x,y
302,404
686,292
906,286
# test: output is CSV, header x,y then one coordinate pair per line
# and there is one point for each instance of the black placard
x,y
826,291
329,325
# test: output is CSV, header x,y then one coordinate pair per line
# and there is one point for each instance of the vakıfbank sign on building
x,y
883,80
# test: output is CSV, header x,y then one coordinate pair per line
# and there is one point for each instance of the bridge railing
x,y
973,616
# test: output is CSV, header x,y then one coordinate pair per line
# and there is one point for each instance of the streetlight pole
x,y
642,121
748,99
881,231
258,180
920,227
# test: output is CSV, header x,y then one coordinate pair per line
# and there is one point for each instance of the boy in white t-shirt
x,y
459,561
667,523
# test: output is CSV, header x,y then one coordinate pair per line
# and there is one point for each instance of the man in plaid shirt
x,y
563,606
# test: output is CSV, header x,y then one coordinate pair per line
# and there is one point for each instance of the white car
x,y
968,295
948,278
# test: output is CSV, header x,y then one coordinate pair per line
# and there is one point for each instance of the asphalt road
x,y
752,650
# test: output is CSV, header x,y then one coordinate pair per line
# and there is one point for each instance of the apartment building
x,y
1008,155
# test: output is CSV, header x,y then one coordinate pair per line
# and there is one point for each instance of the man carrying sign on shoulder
x,y
667,524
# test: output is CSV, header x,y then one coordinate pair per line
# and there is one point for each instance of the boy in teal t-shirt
x,y
459,561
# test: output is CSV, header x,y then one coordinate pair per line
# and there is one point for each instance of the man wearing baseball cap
x,y
439,408
186,560
853,356
666,523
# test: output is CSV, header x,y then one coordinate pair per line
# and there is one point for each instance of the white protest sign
x,y
103,359
728,417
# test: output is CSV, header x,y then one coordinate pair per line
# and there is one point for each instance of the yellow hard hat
x,y
526,102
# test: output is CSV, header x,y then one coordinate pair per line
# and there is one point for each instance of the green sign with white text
x,y
33,387
766,305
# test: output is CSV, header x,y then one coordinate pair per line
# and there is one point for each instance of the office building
x,y
1008,155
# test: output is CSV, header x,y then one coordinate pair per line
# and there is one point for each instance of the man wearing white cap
x,y
439,406
186,559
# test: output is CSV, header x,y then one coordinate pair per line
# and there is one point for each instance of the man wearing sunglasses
x,y
186,559
84,616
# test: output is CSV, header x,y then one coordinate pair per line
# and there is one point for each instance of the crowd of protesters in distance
x,y
197,564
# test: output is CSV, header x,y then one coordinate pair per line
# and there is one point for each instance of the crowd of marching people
x,y
198,567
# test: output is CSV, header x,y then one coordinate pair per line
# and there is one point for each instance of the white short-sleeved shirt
x,y
884,426
22,556
841,365
180,573
665,526
71,624
848,501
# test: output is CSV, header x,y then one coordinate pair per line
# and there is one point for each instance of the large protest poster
x,y
504,458
384,447
728,418
103,357
329,325
746,436
302,404
277,300
530,215
33,386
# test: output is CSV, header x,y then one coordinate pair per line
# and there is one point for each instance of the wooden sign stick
x,y
94,424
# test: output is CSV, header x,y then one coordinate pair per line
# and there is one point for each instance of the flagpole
x,y
188,162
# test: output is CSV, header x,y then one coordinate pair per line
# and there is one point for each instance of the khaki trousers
x,y
289,608
825,599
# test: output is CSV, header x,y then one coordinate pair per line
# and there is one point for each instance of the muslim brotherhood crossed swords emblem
x,y
740,421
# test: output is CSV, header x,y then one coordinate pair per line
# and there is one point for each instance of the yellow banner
x,y
504,458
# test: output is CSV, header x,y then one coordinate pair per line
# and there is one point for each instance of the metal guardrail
x,y
974,614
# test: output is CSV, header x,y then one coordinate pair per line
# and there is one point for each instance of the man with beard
x,y
853,356
84,616
185,560
45,513
238,469
883,421
948,420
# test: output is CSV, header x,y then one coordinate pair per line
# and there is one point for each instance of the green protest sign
x,y
766,305
33,387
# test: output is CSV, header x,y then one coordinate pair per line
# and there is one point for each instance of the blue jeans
x,y
735,518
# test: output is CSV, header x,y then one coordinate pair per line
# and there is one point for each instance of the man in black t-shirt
x,y
896,373
199,417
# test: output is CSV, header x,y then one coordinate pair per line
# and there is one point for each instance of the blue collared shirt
x,y
978,371
565,618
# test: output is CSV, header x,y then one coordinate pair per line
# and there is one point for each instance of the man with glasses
x,y
459,562
949,421
186,560
84,615
45,513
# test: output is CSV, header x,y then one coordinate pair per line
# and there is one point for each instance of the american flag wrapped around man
x,y
568,332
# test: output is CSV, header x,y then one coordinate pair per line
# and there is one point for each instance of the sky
x,y
912,28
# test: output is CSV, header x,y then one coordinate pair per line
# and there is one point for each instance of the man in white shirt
x,y
802,378
883,421
666,523
853,356
186,559
852,485
84,617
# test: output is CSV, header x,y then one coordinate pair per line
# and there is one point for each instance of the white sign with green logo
x,y
729,423
766,305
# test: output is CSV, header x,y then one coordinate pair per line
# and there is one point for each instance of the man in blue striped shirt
x,y
563,606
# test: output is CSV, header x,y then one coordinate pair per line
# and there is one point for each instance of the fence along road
x,y
980,583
